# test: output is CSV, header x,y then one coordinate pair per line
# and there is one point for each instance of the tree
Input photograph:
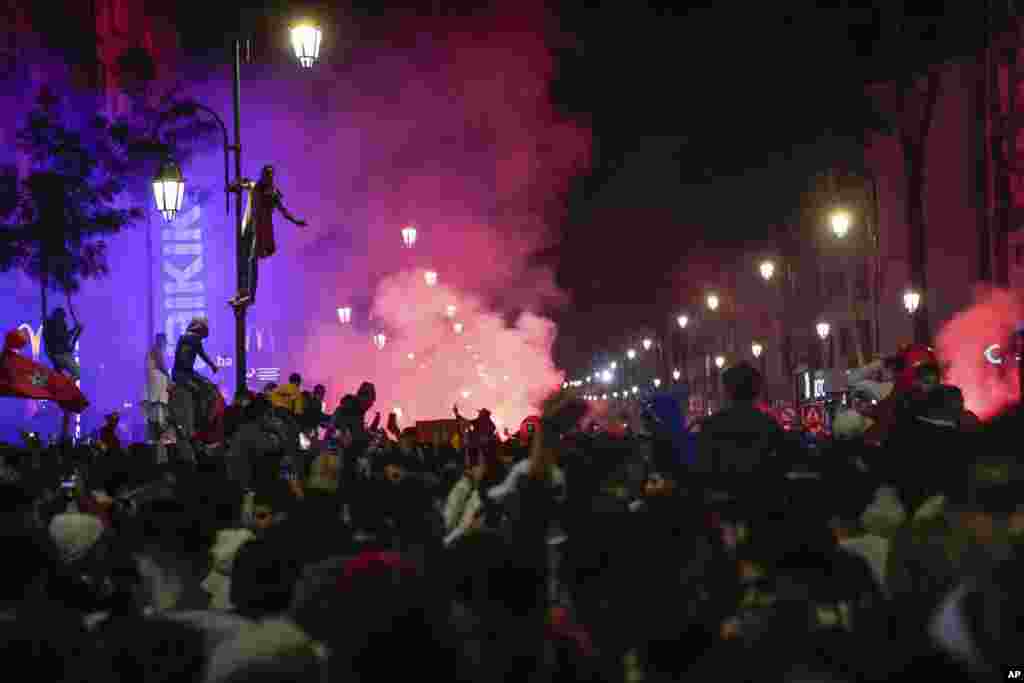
x,y
88,179
61,212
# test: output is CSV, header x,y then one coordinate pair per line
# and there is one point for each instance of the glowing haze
x,y
988,388
455,135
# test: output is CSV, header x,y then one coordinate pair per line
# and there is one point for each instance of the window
x,y
864,328
845,341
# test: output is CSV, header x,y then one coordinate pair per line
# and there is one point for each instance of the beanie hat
x,y
75,534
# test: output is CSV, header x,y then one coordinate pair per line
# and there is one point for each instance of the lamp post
x,y
168,187
767,269
911,301
839,221
409,236
824,330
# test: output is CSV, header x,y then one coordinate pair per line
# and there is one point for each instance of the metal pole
x,y
241,256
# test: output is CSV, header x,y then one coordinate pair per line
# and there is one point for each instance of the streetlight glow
x,y
713,301
823,329
767,269
169,189
614,365
676,375
636,390
631,354
911,301
409,236
683,321
450,310
457,327
657,382
345,315
606,376
756,349
840,221
648,344
306,39
430,277
719,362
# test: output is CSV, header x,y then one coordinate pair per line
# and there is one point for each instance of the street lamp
x,y
636,390
380,339
614,365
767,270
647,344
840,221
430,277
306,39
169,189
713,302
911,300
631,354
756,349
606,376
409,236
457,327
450,310
823,329
683,321
345,315
676,375
719,362
657,382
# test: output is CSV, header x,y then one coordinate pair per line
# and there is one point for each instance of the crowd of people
x,y
315,545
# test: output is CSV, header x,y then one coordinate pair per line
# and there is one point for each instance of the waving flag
x,y
23,377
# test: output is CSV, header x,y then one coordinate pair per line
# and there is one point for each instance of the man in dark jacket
x,y
739,441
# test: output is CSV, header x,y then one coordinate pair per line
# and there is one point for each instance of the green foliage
x,y
88,179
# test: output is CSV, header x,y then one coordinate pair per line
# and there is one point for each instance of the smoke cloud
x,y
455,135
977,346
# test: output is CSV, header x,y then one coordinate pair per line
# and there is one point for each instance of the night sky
x,y
708,119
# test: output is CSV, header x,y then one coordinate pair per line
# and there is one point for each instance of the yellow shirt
x,y
288,396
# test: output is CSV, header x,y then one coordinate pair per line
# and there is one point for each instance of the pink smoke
x,y
962,343
458,136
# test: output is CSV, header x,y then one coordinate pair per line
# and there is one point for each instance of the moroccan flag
x,y
24,378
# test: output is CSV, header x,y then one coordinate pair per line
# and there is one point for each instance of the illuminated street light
x,y
380,339
409,236
169,189
458,328
631,354
411,356
648,344
767,270
606,376
824,329
615,394
911,301
430,277
756,349
719,362
345,315
676,375
306,39
450,310
657,382
840,221
713,301
636,390
683,321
